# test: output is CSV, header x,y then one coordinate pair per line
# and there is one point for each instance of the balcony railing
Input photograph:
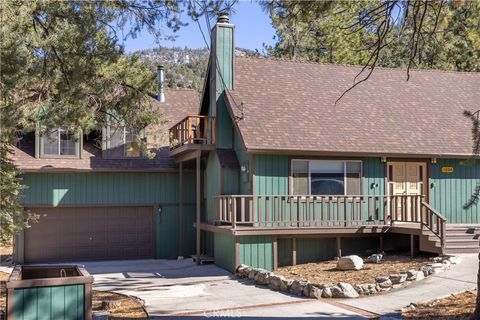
x,y
288,211
192,130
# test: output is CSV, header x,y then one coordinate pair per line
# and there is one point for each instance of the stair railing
x,y
434,221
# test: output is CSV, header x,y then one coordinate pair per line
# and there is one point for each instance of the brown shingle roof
x,y
178,104
290,106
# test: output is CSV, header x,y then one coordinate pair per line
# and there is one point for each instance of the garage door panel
x,y
90,233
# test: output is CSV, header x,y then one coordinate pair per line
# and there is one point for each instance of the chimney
x,y
221,58
160,95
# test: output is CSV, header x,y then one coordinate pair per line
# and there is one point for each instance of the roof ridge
x,y
354,65
180,89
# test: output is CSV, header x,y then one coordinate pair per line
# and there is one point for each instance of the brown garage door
x,y
90,233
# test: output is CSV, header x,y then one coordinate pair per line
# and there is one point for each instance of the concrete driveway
x,y
181,289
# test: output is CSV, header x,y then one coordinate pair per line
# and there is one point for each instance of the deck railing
x,y
192,130
306,211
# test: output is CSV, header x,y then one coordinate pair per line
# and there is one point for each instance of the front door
x,y
406,179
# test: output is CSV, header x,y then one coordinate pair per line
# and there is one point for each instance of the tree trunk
x,y
476,313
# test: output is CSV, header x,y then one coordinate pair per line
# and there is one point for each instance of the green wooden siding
x,y
257,251
244,159
315,249
59,302
271,175
105,188
449,192
58,189
373,174
212,183
230,180
224,251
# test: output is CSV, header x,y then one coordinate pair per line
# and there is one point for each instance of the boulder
x,y
350,263
383,282
427,270
243,270
436,259
315,291
275,282
368,288
298,286
374,258
398,278
420,276
344,290
286,285
327,292
436,267
446,264
455,260
412,274
262,276
252,273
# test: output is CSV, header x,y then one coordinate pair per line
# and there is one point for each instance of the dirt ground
x,y
130,308
458,306
325,272
6,258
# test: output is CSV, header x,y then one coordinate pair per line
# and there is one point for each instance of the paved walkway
x,y
459,278
180,289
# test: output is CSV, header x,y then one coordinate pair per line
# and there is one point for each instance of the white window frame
x,y
309,161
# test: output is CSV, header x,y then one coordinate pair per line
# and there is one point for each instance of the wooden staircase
x,y
458,239
462,239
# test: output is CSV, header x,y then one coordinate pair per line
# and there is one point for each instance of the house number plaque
x,y
447,169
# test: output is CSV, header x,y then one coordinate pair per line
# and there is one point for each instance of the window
x,y
123,142
58,142
326,177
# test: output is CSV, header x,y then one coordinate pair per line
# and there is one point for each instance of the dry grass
x,y
458,306
326,273
130,307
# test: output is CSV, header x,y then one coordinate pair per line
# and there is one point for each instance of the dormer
x,y
120,141
58,143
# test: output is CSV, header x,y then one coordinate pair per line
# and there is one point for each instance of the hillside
x,y
184,67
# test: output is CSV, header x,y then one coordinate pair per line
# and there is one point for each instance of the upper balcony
x,y
193,133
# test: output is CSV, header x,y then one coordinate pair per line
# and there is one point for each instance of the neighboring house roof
x,y
178,104
290,107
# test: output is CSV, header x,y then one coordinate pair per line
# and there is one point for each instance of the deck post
x,y
412,246
339,247
275,253
237,252
198,207
180,210
380,238
294,251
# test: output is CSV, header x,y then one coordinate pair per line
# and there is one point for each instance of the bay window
x,y
326,177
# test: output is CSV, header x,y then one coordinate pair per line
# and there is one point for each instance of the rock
x,y
243,270
383,282
369,288
327,292
427,270
420,276
315,292
455,260
412,274
275,282
374,258
298,287
252,273
398,278
436,267
344,290
350,263
446,264
436,259
286,285
262,276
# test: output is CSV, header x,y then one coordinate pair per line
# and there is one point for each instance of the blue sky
x,y
253,29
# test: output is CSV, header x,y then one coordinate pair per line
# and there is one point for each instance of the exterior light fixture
x,y
434,160
384,159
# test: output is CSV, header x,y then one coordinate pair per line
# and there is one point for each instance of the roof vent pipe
x,y
222,17
161,94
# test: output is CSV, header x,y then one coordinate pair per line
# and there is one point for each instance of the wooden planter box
x,y
50,292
